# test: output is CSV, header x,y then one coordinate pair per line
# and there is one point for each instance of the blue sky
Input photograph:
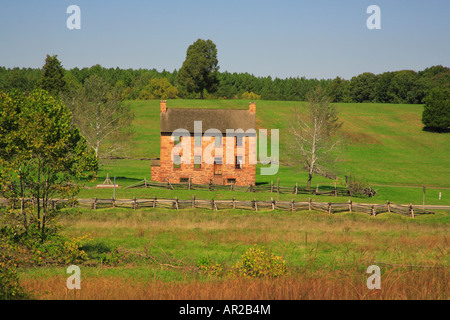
x,y
312,39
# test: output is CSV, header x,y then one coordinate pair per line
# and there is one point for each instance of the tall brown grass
x,y
396,284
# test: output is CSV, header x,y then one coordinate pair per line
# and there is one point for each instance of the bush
x,y
116,257
358,187
10,288
208,266
259,263
436,113
28,248
250,96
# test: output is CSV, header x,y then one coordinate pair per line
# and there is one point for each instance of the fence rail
x,y
272,187
255,205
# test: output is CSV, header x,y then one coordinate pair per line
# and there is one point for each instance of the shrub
x,y
259,263
10,288
359,187
208,266
116,257
250,96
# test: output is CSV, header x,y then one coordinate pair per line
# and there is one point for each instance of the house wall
x,y
205,174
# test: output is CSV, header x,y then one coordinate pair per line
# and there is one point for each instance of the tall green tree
x,y
436,113
42,154
52,78
361,88
200,68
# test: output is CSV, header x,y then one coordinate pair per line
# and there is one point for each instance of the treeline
x,y
405,86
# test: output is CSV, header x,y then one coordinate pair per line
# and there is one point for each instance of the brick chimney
x,y
162,106
252,107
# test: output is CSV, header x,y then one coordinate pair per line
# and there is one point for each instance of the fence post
x,y
113,202
193,201
330,209
271,186
309,204
292,205
278,188
350,205
95,203
373,211
256,204
154,202
411,210
134,203
317,189
388,205
234,204
296,188
335,190
145,182
176,203
272,203
189,184
210,184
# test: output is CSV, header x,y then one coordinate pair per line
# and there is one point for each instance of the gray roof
x,y
220,119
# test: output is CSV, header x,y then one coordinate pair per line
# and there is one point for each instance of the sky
x,y
286,38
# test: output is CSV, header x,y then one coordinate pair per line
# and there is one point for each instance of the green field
x,y
156,253
385,146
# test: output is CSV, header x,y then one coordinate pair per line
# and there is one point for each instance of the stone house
x,y
215,145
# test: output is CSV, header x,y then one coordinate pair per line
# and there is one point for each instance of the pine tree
x,y
52,79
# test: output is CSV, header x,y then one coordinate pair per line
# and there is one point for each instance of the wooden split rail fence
x,y
272,187
255,205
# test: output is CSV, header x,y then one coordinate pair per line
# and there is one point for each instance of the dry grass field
x,y
326,256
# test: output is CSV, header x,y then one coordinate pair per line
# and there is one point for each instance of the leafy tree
x,y
361,87
250,96
199,70
436,113
101,115
336,89
383,82
315,138
42,152
159,88
52,79
403,88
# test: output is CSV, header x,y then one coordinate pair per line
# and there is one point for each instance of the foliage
x,y
361,87
436,113
403,86
159,88
257,262
115,257
22,249
10,288
41,154
208,266
250,96
199,69
52,79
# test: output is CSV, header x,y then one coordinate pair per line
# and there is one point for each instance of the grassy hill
x,y
386,146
